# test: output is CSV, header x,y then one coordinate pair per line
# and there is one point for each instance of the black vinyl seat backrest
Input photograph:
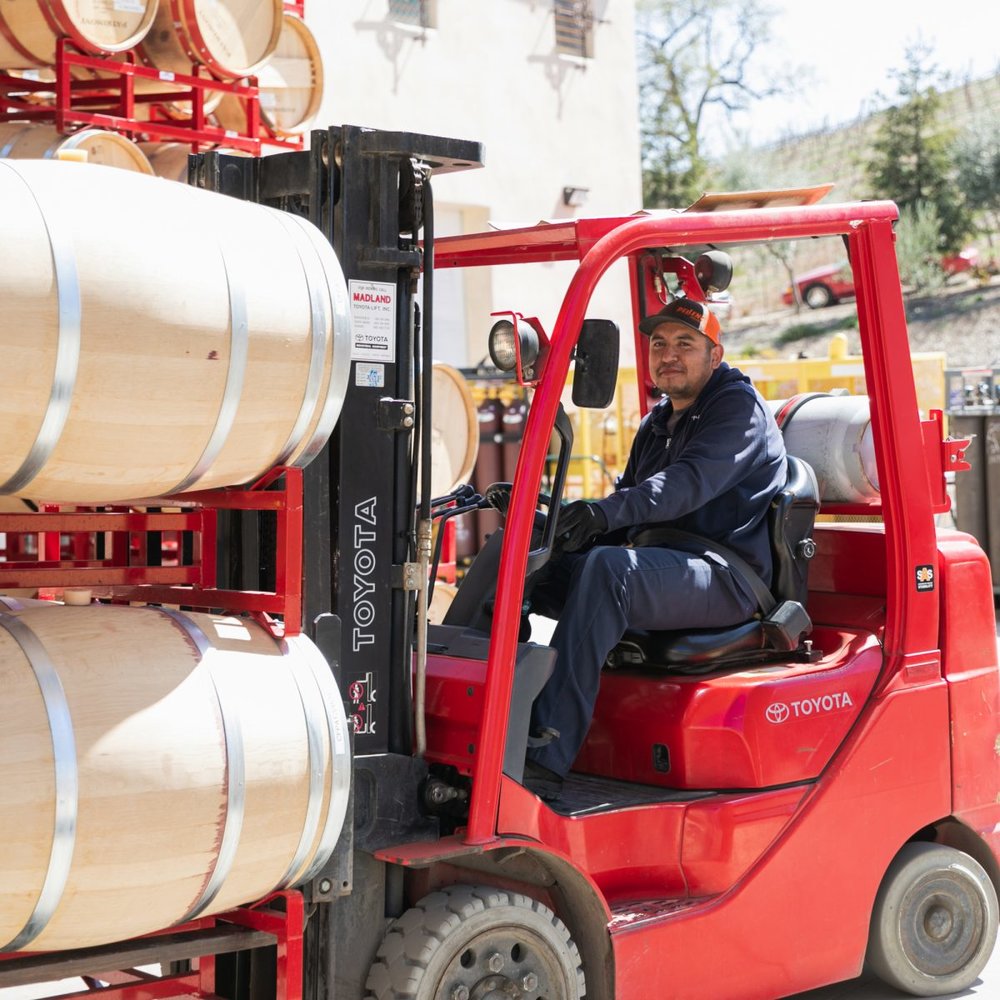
x,y
791,520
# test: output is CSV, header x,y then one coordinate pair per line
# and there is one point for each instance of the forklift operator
x,y
707,459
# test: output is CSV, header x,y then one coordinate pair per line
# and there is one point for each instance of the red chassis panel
x,y
815,887
773,725
969,662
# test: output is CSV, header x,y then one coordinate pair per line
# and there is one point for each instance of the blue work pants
x,y
602,593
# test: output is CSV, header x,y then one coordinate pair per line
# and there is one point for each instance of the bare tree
x,y
695,55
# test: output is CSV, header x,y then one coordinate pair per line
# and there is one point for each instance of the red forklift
x,y
755,812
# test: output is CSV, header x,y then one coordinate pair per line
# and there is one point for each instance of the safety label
x,y
373,321
371,375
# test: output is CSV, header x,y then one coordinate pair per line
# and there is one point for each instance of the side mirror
x,y
596,373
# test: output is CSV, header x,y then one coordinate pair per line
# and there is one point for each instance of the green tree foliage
x,y
693,56
977,155
912,155
918,239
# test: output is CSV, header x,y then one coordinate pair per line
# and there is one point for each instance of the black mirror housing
x,y
596,374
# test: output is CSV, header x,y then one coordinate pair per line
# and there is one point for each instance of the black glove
x,y
578,523
497,496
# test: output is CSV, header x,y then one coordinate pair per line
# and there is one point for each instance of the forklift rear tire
x,y
935,921
469,941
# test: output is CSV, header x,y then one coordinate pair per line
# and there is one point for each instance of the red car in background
x,y
827,285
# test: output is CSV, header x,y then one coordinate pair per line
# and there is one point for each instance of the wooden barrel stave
x,y
291,85
168,159
232,38
454,430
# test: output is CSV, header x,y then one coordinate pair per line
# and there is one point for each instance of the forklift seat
x,y
790,520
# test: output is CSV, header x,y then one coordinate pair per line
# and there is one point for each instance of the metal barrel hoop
x,y
319,336
239,346
235,771
67,364
314,721
340,752
67,781
340,368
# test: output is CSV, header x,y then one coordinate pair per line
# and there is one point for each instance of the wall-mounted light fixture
x,y
575,196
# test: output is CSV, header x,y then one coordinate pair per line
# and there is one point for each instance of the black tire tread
x,y
415,937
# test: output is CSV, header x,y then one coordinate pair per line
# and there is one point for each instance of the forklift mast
x,y
369,192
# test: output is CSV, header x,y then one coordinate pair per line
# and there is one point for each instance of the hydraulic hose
x,y
424,523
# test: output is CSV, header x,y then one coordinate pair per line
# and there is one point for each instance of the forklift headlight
x,y
503,351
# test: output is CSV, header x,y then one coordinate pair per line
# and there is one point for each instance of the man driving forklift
x,y
705,463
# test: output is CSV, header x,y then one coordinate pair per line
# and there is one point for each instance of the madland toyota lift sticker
x,y
373,321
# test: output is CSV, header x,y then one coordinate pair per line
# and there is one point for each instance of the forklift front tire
x,y
468,941
934,924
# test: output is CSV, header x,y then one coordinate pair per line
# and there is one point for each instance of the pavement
x,y
864,988
867,987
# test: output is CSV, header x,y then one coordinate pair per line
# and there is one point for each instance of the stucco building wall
x,y
489,70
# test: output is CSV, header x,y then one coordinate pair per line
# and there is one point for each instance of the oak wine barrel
x,y
157,337
231,38
168,159
27,141
158,765
454,430
29,28
291,85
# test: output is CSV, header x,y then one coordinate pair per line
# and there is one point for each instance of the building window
x,y
574,28
417,13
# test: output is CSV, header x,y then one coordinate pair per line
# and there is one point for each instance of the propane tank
x,y
489,463
834,435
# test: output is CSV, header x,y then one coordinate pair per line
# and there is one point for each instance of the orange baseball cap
x,y
686,312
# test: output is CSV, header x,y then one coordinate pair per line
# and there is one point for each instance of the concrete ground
x,y
864,988
869,988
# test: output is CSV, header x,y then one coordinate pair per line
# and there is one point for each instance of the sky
x,y
852,45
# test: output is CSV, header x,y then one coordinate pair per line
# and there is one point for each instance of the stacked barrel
x,y
230,73
160,764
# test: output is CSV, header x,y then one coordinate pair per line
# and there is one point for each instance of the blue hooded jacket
x,y
714,477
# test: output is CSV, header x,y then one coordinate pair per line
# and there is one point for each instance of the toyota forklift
x,y
756,811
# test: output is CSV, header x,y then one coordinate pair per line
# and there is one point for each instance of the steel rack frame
x,y
277,921
133,573
110,102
